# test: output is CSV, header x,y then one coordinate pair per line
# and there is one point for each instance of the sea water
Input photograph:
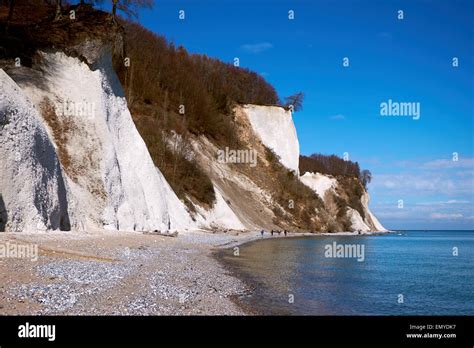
x,y
402,273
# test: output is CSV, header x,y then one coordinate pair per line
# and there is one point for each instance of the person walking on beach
x,y
272,232
261,232
285,233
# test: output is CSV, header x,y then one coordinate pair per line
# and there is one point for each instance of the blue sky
x,y
408,60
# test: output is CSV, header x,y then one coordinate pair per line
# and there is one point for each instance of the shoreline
x,y
219,255
127,273
257,236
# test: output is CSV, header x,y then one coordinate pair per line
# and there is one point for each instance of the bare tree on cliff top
x,y
130,7
295,101
58,14
365,177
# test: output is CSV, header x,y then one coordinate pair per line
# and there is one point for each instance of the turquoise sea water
x,y
403,273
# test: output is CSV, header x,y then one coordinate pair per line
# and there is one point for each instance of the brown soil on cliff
x,y
33,27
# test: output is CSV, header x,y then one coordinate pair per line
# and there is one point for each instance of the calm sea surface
x,y
403,273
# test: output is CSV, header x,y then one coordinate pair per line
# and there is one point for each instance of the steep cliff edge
x,y
109,146
104,177
32,188
265,191
328,188
110,179
275,128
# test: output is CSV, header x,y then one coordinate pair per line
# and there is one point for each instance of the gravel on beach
x,y
121,274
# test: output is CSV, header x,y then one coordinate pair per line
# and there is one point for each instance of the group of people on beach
x,y
262,232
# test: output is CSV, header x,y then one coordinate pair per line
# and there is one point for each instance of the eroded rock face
x,y
248,198
325,186
274,126
370,218
32,190
81,132
72,157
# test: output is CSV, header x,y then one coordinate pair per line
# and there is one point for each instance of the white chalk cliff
x,y
324,184
110,179
72,158
275,128
32,188
274,125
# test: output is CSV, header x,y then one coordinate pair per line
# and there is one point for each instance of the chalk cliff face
x,y
32,188
326,186
249,194
78,114
275,128
72,159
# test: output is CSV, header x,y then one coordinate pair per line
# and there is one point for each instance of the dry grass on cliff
x,y
294,204
75,165
60,130
188,180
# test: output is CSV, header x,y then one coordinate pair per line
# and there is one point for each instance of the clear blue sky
x,y
407,60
